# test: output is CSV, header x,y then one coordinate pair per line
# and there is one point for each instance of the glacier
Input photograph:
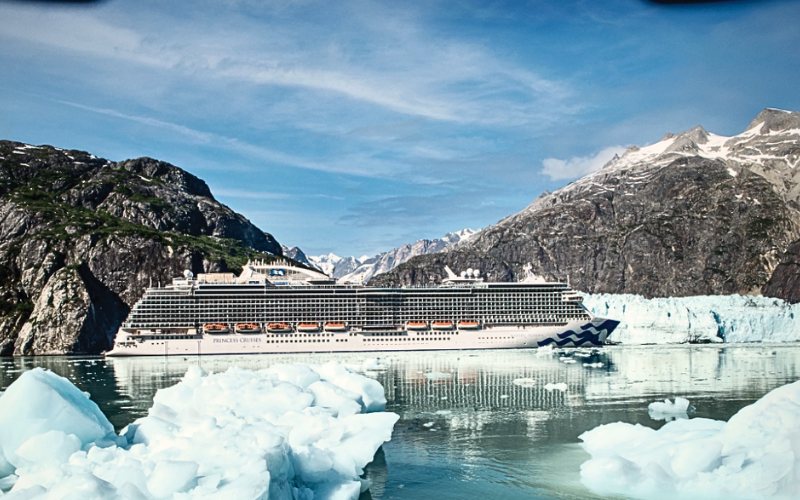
x,y
708,318
755,454
286,432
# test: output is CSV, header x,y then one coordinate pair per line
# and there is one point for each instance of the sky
x,y
356,126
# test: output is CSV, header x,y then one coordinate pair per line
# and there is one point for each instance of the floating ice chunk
x,y
47,447
372,398
345,491
753,455
667,410
560,386
283,433
428,424
29,404
340,401
524,382
171,476
545,352
597,364
373,365
567,360
299,375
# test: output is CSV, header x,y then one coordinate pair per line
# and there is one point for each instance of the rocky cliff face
x,y
692,214
296,254
81,237
785,280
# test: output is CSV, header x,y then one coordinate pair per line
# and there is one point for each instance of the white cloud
x,y
368,56
578,166
353,165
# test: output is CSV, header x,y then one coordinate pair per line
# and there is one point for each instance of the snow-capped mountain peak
x,y
767,147
362,269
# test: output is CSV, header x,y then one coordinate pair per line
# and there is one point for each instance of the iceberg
x,y
42,408
756,454
668,410
711,318
286,432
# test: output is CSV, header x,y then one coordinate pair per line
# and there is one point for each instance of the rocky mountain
x,y
297,255
334,265
785,280
81,237
362,269
695,213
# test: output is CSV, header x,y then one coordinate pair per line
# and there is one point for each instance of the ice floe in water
x,y
524,382
668,410
756,454
287,432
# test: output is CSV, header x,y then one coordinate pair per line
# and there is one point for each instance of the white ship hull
x,y
190,342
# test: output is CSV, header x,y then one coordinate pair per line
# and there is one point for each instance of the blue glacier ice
x,y
708,318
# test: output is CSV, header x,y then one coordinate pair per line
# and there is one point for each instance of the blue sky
x,y
356,126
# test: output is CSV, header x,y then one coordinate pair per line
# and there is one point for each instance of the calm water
x,y
466,429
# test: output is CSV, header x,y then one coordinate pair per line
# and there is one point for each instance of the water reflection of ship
x,y
505,379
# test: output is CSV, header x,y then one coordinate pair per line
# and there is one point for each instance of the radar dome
x,y
188,274
463,273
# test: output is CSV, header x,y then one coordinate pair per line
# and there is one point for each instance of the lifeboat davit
x,y
308,327
279,327
335,326
468,325
216,328
247,328
442,325
417,325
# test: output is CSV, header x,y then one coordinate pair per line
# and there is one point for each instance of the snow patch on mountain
x,y
768,148
335,266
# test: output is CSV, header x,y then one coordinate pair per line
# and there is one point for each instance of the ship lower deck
x,y
190,342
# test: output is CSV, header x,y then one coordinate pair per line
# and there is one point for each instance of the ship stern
x,y
594,332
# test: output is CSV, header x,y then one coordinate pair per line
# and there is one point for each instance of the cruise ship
x,y
281,308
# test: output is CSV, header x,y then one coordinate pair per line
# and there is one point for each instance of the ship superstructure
x,y
277,308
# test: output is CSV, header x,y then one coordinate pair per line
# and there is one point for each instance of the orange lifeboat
x,y
335,326
308,327
468,325
442,325
279,327
417,325
247,328
216,328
